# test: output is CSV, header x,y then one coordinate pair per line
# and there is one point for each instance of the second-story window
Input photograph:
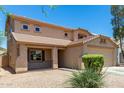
x,y
25,27
80,36
66,34
37,29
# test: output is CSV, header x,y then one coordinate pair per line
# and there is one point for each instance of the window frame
x,y
42,55
23,28
37,27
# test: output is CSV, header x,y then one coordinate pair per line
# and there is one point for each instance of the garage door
x,y
106,52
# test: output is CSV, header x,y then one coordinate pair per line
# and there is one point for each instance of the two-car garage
x,y
106,52
107,48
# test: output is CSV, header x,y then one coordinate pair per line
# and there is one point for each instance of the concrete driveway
x,y
114,77
115,70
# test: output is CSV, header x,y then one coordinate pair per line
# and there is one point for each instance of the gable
x,y
102,42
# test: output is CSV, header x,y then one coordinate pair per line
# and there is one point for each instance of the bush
x,y
93,61
86,79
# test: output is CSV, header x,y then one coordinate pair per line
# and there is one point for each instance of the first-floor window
x,y
38,55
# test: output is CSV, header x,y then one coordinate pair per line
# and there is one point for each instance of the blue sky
x,y
96,19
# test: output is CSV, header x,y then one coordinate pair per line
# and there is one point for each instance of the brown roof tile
x,y
84,40
26,38
40,40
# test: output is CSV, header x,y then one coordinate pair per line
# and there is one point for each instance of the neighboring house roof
x,y
26,38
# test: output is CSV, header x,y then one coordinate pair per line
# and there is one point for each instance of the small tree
x,y
117,12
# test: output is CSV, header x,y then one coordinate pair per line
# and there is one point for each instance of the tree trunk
x,y
121,47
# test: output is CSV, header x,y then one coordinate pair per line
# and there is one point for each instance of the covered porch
x,y
37,57
42,57
38,52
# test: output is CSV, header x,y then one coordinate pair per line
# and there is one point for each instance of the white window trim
x,y
23,28
37,27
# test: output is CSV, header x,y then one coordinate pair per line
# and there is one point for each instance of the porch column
x,y
21,61
55,58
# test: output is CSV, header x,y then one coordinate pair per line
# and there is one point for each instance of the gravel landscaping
x,y
36,79
49,78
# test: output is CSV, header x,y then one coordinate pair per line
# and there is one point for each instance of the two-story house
x,y
33,44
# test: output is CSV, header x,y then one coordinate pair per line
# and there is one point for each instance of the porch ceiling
x,y
26,38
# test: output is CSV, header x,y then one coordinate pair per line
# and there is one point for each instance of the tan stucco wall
x,y
22,61
55,57
45,31
48,55
12,53
72,57
97,42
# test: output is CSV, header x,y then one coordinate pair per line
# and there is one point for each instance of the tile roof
x,y
26,38
92,37
84,40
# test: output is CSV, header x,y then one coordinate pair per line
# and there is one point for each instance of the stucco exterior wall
x,y
97,43
48,55
45,31
22,62
55,57
12,52
72,57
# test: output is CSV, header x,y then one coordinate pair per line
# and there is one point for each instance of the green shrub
x,y
86,79
93,61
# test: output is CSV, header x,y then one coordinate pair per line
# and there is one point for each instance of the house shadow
x,y
7,70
